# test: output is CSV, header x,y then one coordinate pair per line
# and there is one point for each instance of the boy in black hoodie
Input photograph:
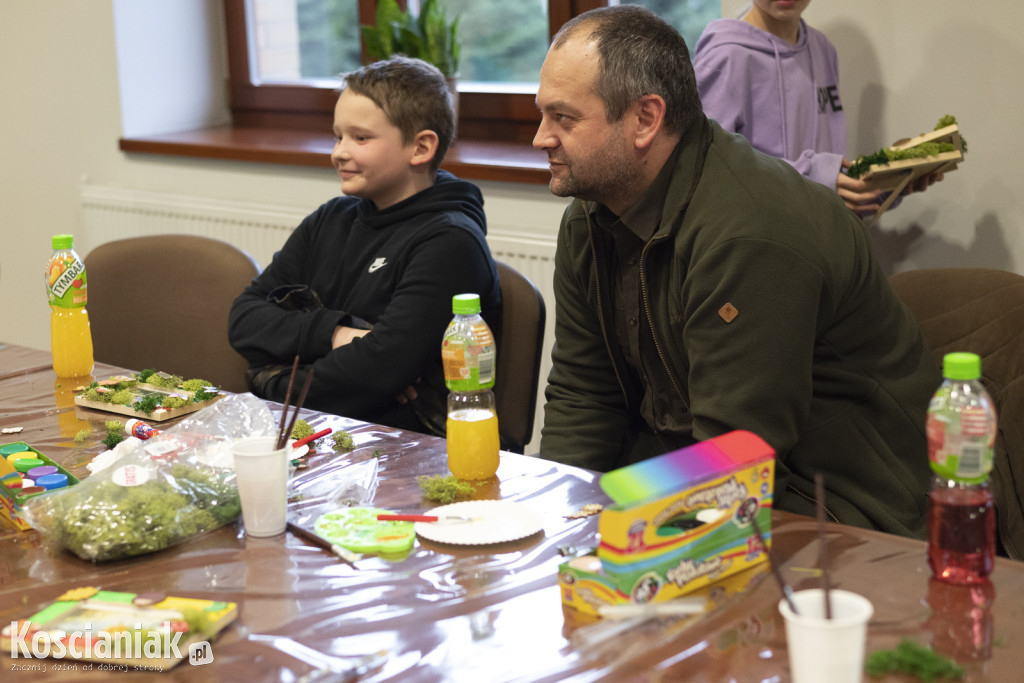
x,y
362,289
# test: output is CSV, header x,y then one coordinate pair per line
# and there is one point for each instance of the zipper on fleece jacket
x,y
600,306
831,515
650,323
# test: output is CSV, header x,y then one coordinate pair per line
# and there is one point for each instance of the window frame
x,y
498,117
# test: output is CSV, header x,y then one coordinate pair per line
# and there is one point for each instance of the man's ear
x,y
424,147
650,119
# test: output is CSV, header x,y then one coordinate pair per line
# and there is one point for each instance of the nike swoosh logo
x,y
377,264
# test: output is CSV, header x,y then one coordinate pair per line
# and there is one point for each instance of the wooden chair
x,y
519,345
162,302
981,310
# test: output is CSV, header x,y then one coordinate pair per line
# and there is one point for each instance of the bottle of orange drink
x,y
66,286
468,352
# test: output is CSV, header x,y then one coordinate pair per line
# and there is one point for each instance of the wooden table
x,y
471,613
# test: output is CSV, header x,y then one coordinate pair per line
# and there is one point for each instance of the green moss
x,y
301,430
195,384
93,394
164,380
147,404
342,441
172,402
916,660
122,397
888,154
82,435
445,489
113,438
203,395
117,521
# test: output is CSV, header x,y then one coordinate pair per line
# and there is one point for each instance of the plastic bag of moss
x,y
159,492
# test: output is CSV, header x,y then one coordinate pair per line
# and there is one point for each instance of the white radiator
x,y
110,213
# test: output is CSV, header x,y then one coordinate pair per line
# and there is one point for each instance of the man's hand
x,y
344,335
409,393
857,194
923,183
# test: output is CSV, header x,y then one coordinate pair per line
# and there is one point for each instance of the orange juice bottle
x,y
66,287
468,352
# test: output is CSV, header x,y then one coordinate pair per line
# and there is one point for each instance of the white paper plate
x,y
494,521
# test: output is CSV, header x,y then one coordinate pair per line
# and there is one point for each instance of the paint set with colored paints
x,y
26,472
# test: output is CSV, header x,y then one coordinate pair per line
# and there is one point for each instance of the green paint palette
x,y
357,529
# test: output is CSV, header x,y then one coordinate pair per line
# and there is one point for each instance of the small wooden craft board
x,y
141,390
895,176
138,628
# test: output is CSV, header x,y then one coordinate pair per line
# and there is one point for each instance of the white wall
x,y
903,65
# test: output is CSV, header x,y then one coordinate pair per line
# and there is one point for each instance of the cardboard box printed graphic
x,y
680,522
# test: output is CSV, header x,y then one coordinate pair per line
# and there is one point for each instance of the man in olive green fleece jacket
x,y
702,287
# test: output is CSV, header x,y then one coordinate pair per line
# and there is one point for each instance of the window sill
x,y
469,159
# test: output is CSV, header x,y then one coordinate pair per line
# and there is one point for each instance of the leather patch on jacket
x,y
728,313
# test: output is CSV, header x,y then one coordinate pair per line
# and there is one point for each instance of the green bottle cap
x,y
62,241
961,365
465,304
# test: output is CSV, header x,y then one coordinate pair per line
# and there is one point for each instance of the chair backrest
x,y
162,302
519,355
981,310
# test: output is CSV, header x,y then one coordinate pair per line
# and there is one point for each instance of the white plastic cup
x,y
261,473
823,649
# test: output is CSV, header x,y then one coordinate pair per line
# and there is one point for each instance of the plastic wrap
x,y
330,488
157,493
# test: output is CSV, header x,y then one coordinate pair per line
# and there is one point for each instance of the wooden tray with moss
x,y
148,631
891,169
149,395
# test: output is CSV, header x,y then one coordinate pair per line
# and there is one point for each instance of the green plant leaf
x,y
429,36
374,44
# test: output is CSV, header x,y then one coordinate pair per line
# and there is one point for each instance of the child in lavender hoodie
x,y
775,80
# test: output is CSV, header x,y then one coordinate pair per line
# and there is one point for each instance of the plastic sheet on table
x,y
155,493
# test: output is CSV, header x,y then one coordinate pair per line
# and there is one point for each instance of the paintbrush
x,y
282,438
345,554
819,498
787,592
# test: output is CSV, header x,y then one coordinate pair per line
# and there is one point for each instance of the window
x,y
285,55
503,44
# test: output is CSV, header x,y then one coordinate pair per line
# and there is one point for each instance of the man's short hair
x,y
641,54
413,94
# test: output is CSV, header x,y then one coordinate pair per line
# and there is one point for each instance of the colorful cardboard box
x,y
680,521
12,500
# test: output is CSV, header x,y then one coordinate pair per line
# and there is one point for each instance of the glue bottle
x,y
139,429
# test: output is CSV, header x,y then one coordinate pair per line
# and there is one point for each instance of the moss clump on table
x,y
301,430
343,441
115,433
916,660
445,489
